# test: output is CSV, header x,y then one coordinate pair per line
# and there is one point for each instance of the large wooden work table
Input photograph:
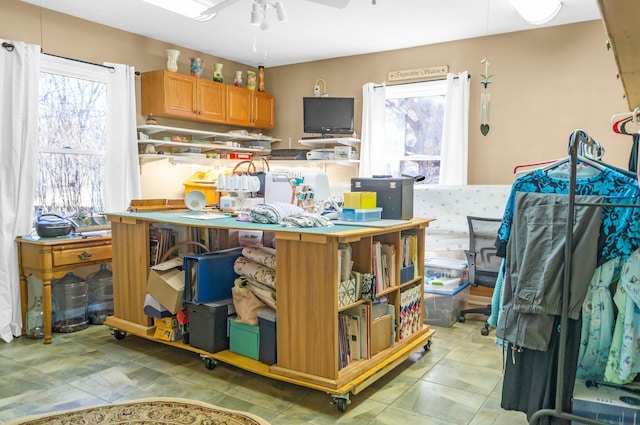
x,y
307,335
52,258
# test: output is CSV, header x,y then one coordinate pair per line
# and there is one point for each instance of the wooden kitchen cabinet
x,y
173,95
249,108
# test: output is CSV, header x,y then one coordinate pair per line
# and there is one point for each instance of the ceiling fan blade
x,y
340,4
219,6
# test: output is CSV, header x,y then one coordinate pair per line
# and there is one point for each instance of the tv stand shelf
x,y
322,142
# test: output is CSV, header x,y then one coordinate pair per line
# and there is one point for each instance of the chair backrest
x,y
481,256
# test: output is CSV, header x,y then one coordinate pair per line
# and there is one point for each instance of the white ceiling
x,y
314,31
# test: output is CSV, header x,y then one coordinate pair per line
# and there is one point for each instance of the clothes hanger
x,y
620,121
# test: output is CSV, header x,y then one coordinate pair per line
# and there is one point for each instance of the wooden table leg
x,y
46,309
24,301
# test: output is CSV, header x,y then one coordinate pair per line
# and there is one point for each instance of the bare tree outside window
x,y
413,130
71,145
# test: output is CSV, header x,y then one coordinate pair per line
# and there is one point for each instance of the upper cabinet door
x,y
239,106
168,94
212,101
263,110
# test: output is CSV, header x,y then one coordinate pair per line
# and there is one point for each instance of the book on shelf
x,y
410,304
409,251
363,314
390,258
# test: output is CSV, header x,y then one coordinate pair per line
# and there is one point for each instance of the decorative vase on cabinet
x,y
237,81
251,80
172,59
217,72
196,67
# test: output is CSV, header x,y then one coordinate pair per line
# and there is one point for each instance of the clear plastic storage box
x,y
355,214
436,268
442,306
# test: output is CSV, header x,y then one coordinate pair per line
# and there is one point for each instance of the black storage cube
x,y
267,324
393,195
208,325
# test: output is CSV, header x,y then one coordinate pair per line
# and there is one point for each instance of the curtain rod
x,y
416,82
10,47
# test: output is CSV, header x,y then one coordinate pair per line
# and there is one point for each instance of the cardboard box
x,y
359,200
244,339
380,334
166,284
168,334
165,322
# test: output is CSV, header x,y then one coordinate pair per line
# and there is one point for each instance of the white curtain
x,y
373,122
455,132
122,171
20,70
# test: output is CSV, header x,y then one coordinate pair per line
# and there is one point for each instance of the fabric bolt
x,y
264,293
597,322
534,275
261,255
620,230
265,275
624,359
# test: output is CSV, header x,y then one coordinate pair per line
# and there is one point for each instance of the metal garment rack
x,y
577,138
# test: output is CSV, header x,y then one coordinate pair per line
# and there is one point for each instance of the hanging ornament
x,y
485,98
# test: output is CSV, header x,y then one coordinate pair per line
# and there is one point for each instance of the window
x,y
413,129
72,127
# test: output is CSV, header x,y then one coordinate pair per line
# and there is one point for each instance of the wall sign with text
x,y
419,73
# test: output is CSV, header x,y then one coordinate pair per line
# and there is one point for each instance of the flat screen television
x,y
328,115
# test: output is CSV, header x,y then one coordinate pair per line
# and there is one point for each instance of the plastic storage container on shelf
x,y
69,297
442,306
436,268
100,295
354,214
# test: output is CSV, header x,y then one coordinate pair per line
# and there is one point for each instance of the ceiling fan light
x,y
282,13
537,12
256,14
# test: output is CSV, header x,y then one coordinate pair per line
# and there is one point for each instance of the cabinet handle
x,y
85,255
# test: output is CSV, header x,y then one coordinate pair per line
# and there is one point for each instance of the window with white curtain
x,y
413,129
72,137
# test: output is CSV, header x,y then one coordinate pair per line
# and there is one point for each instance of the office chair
x,y
482,260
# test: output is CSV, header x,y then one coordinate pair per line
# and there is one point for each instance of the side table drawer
x,y
74,254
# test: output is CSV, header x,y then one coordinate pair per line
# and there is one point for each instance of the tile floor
x,y
457,382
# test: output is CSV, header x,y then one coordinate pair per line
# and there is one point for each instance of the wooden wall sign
x,y
419,73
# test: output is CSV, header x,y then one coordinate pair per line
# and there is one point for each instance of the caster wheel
x,y
461,319
342,404
209,363
427,346
119,335
484,331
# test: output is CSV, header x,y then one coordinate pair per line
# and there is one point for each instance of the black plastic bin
x,y
267,323
208,325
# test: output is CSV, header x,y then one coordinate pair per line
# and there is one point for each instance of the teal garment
x,y
598,321
496,298
624,357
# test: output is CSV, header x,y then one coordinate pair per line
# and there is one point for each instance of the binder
x,y
209,277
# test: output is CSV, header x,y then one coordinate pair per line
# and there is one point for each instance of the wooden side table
x,y
52,258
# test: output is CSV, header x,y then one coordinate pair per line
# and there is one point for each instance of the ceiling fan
x,y
340,4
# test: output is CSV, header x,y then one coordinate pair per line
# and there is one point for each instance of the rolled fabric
x,y
263,274
262,255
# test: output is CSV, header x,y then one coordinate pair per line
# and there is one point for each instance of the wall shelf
x,y
323,142
202,134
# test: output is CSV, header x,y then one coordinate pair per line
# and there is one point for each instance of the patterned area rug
x,y
159,411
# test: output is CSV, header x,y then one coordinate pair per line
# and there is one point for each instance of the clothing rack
x,y
577,138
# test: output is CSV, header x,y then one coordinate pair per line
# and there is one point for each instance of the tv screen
x,y
328,115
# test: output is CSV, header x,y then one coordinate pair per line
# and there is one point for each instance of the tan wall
x,y
547,82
